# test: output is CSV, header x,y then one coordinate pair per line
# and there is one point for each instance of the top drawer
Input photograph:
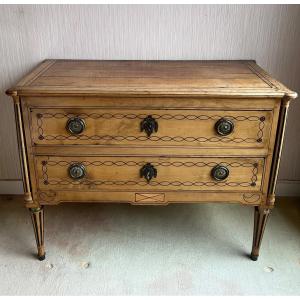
x,y
153,127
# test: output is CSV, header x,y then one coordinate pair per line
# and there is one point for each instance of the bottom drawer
x,y
149,174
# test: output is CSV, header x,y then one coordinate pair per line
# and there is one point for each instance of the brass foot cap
x,y
254,257
42,257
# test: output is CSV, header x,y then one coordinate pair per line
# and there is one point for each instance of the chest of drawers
x,y
150,132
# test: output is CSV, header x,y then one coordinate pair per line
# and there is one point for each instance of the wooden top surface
x,y
194,78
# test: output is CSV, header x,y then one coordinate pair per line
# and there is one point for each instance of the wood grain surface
x,y
175,127
155,161
173,174
232,78
150,179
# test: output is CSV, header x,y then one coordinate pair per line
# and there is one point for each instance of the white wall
x,y
30,33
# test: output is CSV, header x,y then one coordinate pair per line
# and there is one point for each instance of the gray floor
x,y
105,249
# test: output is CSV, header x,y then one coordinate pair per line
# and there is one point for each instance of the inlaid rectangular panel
x,y
149,174
149,127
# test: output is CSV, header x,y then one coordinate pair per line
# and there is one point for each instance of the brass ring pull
x,y
224,127
219,172
75,125
77,171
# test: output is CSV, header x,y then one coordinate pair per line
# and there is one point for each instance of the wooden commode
x,y
150,132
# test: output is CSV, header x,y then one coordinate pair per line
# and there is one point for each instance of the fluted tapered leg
x,y
261,215
37,217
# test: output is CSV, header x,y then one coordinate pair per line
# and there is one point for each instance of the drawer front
x,y
196,128
149,173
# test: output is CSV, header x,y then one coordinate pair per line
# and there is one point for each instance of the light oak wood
x,y
37,218
22,150
173,174
53,197
261,216
121,150
175,127
153,101
185,99
213,78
